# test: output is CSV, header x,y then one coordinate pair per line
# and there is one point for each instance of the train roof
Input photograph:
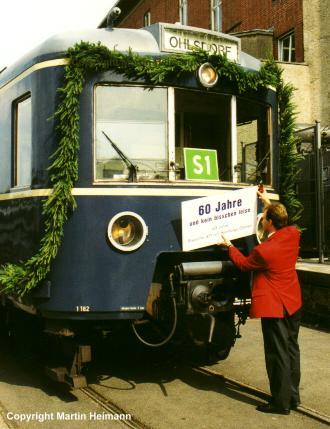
x,y
146,41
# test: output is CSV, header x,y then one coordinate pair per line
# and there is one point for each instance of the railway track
x,y
112,408
307,411
134,423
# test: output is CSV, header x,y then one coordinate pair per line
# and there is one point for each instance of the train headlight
x,y
207,75
127,231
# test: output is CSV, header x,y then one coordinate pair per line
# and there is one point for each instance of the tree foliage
x,y
289,157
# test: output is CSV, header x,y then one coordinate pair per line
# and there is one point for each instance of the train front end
x,y
146,148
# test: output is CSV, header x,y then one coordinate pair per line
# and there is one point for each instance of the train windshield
x,y
253,142
152,132
202,121
135,119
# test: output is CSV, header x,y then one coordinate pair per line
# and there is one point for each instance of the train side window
x,y
202,121
22,142
135,120
253,142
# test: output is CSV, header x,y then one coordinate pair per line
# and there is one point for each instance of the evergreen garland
x,y
85,58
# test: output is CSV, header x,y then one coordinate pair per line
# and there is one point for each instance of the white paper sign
x,y
232,213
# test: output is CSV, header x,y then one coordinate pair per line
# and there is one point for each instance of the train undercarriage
x,y
195,310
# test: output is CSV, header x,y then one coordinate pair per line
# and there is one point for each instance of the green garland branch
x,y
84,59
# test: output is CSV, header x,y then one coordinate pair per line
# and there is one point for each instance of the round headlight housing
x,y
207,75
127,231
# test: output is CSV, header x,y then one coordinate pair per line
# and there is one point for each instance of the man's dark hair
x,y
278,214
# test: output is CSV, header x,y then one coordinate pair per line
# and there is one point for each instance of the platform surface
x,y
246,364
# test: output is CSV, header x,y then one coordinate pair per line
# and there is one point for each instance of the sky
x,y
26,23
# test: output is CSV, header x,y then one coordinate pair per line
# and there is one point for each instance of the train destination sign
x,y
233,213
200,164
176,39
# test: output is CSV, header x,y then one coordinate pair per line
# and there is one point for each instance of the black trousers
x,y
282,358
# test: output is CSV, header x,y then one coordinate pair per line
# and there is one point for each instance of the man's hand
x,y
224,242
264,198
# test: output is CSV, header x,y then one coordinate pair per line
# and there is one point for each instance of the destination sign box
x,y
232,213
185,39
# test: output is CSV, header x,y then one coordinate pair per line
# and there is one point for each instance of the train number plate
x,y
83,308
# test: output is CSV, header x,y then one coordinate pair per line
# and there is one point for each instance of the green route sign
x,y
201,164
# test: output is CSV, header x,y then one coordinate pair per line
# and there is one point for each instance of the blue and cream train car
x,y
121,257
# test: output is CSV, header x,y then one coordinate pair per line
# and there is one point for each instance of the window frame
x,y
292,46
15,143
167,139
271,142
216,15
232,131
183,12
170,135
147,19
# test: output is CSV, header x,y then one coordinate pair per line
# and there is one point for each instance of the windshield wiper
x,y
132,177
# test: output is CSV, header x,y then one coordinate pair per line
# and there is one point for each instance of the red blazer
x,y
275,281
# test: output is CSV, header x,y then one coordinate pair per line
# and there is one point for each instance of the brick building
x,y
283,21
296,32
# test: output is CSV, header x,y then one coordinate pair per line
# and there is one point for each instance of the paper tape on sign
x,y
232,213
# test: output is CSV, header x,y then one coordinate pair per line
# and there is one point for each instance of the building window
x,y
22,152
216,15
286,48
147,19
183,11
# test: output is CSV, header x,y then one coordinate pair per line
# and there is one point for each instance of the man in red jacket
x,y
276,298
